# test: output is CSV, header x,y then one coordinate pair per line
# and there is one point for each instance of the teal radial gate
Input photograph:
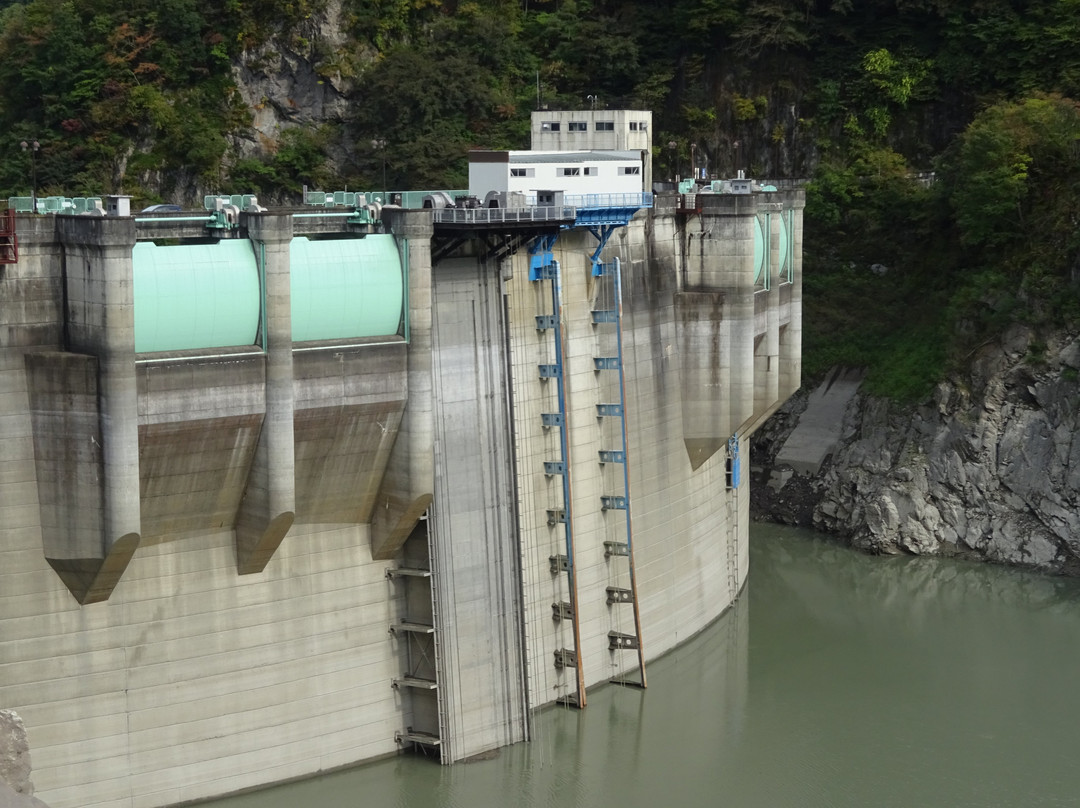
x,y
346,288
195,296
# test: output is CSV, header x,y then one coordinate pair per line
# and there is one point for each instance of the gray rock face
x,y
989,468
16,790
297,82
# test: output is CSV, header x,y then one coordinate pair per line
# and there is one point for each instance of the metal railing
x,y
503,215
53,204
630,200
410,200
633,200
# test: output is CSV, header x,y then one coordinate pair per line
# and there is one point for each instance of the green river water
x,y
838,680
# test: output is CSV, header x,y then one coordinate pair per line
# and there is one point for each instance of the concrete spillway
x,y
319,514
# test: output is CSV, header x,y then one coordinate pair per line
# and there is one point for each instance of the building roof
x,y
481,156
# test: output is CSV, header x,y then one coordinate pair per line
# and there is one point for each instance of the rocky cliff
x,y
298,81
989,468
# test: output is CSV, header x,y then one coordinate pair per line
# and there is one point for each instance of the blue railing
x,y
501,215
631,200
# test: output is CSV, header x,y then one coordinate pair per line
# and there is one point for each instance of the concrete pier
x,y
406,491
227,565
269,505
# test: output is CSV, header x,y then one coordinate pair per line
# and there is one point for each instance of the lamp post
x,y
379,145
32,146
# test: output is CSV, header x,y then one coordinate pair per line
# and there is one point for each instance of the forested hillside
x,y
173,98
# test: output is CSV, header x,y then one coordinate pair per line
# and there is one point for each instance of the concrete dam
x,y
299,489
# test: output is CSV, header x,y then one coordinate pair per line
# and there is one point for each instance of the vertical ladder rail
x,y
626,473
568,501
440,701
619,640
733,473
422,675
544,267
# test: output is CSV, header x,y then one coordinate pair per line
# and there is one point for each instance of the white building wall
x,y
620,137
598,174
484,177
631,131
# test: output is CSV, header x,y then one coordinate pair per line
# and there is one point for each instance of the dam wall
x,y
233,564
701,370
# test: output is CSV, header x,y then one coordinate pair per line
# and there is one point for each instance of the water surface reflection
x,y
839,680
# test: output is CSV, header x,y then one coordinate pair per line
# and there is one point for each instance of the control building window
x,y
590,171
638,126
605,126
578,126
549,126
570,172
624,170
522,172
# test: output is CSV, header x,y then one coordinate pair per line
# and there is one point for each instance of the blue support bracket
x,y
613,216
609,410
546,321
612,456
605,363
549,371
733,467
605,316
549,419
609,503
603,233
553,467
541,259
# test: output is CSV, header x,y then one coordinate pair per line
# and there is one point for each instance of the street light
x,y
379,145
33,146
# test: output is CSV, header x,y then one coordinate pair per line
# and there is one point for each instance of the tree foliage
x,y
868,99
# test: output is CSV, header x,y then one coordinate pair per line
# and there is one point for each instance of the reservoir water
x,y
838,680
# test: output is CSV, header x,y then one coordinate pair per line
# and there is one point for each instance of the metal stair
x,y
418,642
732,478
543,269
615,501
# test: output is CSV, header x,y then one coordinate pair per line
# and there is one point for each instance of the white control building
x,y
596,130
575,173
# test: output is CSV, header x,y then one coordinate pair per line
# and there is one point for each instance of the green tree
x,y
1007,165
